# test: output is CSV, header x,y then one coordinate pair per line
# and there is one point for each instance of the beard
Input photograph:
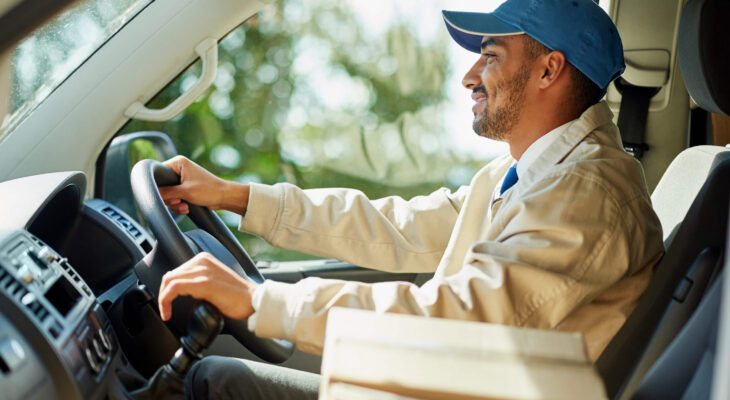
x,y
497,124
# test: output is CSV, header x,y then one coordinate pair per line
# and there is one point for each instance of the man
x,y
559,234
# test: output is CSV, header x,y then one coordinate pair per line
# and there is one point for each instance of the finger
x,y
176,164
195,287
172,192
180,209
185,271
200,264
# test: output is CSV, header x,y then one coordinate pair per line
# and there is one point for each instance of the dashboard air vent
x,y
16,291
123,222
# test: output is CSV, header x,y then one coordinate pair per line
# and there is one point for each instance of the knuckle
x,y
174,287
202,258
203,279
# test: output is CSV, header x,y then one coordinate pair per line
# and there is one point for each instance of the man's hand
x,y
205,278
200,187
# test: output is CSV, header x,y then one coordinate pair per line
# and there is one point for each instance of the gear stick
x,y
203,327
168,382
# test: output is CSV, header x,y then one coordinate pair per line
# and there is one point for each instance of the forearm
x,y
389,234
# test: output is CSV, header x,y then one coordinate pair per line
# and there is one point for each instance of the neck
x,y
529,129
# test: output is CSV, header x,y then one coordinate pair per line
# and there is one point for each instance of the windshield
x,y
46,58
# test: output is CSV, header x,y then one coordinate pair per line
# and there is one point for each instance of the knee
x,y
216,377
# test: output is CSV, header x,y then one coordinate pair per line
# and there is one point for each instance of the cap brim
x,y
468,28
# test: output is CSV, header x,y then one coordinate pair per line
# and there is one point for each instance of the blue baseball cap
x,y
578,28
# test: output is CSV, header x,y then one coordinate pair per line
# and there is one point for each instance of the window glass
x,y
46,58
333,93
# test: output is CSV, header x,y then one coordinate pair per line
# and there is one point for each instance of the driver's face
x,y
497,81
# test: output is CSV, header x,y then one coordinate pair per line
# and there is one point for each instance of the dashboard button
x,y
11,353
46,254
96,348
104,339
90,359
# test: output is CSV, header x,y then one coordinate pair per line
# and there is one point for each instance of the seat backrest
x,y
695,226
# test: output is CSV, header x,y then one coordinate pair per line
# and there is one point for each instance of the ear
x,y
552,67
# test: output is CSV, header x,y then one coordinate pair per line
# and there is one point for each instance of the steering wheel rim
x,y
145,177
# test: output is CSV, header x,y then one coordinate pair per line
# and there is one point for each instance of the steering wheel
x,y
177,248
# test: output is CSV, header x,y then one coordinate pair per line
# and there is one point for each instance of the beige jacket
x,y
570,247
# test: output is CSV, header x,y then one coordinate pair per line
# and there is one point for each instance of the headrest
x,y
703,45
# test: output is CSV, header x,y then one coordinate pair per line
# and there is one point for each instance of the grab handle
x,y
208,52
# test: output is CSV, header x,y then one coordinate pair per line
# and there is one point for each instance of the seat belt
x,y
632,116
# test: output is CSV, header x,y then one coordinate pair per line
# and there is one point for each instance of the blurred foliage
x,y
141,149
327,106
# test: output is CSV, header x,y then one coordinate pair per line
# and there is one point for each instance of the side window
x,y
333,94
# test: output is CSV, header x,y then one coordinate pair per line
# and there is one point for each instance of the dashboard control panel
x,y
39,290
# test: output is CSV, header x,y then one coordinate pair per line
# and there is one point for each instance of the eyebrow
x,y
489,42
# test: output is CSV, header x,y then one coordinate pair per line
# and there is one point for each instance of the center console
x,y
55,339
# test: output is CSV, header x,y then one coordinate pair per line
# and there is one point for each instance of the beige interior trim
x,y
644,75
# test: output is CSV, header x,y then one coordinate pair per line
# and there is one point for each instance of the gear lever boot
x,y
168,382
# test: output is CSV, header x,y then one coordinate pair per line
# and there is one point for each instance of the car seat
x,y
691,200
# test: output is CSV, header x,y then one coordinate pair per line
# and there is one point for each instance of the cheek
x,y
493,81
495,89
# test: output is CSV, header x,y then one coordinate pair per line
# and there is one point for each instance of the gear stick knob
x,y
205,324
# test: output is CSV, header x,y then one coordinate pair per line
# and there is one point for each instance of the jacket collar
x,y
573,133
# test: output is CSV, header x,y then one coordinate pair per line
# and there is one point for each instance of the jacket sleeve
x,y
389,234
554,251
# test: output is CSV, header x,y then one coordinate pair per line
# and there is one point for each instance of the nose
x,y
473,77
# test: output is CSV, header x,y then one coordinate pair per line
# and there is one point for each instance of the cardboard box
x,y
392,356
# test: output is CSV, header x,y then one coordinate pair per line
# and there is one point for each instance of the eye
x,y
489,56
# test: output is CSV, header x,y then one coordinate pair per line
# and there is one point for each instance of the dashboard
x,y
74,322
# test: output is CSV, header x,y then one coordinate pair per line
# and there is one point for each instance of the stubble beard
x,y
497,124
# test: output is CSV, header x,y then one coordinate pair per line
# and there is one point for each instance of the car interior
x,y
85,237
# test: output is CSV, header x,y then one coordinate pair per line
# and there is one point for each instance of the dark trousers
x,y
217,377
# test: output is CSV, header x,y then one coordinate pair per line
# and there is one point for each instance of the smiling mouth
x,y
478,101
479,95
